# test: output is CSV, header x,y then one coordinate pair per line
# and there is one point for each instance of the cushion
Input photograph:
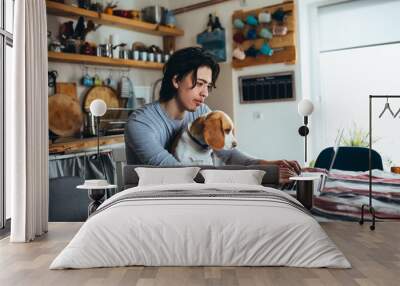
x,y
248,177
162,176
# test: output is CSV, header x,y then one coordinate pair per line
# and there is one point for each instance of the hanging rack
x,y
369,206
110,68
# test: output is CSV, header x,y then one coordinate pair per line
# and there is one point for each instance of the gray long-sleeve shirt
x,y
150,132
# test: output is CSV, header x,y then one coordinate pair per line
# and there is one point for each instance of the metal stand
x,y
96,197
369,207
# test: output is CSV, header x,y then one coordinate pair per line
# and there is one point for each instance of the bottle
x,y
210,23
217,24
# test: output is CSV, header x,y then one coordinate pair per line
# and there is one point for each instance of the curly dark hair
x,y
182,63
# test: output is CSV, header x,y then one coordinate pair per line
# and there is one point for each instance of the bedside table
x,y
305,190
96,195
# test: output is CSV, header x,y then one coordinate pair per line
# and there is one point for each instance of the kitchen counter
x,y
74,145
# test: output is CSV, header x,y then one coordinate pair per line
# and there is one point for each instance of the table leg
x,y
305,193
96,197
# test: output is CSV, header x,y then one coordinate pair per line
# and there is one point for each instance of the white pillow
x,y
249,177
164,176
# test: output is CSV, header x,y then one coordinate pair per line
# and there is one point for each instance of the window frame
x,y
6,39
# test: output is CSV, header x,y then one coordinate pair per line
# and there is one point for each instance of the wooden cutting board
x,y
68,88
65,115
105,93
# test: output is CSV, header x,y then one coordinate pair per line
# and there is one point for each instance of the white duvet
x,y
183,231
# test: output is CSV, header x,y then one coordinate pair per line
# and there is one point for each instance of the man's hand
x,y
287,169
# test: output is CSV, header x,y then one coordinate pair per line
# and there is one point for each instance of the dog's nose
x,y
234,144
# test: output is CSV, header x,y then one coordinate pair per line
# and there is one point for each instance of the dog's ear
x,y
213,133
197,126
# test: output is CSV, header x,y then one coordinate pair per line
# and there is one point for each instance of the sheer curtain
x,y
27,124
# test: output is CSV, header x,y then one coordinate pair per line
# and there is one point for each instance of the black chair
x,y
349,159
66,203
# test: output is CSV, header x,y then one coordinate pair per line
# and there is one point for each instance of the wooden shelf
x,y
59,9
80,144
94,60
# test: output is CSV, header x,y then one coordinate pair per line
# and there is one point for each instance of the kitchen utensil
x,y
52,76
170,19
138,46
279,30
143,56
85,4
238,54
264,17
110,81
153,14
68,88
97,80
238,23
102,92
127,91
251,20
87,80
124,53
266,50
265,33
151,57
99,51
65,114
136,55
123,13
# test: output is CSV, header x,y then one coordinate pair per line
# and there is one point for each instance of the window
x,y
6,45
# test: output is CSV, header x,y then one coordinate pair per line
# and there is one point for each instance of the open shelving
x,y
59,9
104,61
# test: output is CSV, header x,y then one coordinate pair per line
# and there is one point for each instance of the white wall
x,y
274,134
73,72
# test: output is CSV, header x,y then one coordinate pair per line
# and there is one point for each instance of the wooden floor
x,y
375,257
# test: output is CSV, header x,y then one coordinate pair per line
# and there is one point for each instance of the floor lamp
x,y
98,108
305,108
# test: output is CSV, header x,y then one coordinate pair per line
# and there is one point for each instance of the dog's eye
x,y
227,130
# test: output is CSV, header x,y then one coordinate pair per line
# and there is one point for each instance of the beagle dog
x,y
212,131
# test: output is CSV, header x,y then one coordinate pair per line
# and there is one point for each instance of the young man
x,y
189,76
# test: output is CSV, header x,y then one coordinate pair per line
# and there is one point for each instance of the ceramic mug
x,y
136,55
97,80
143,56
266,50
238,23
265,33
251,20
264,17
87,80
151,57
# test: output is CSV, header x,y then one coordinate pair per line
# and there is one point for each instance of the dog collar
x,y
204,146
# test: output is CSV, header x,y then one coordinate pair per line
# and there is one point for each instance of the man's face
x,y
191,98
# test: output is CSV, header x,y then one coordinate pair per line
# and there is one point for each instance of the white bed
x,y
222,225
